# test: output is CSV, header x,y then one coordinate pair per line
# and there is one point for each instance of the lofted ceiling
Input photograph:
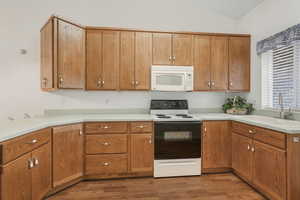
x,y
233,8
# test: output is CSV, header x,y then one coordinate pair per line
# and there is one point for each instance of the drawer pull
x,y
141,126
32,142
30,164
106,164
106,127
250,131
106,143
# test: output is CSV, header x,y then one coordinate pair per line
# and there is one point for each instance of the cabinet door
x,y
67,154
71,56
41,173
142,155
242,156
219,63
162,49
94,59
239,63
216,145
269,170
201,64
47,69
16,179
127,81
143,60
182,49
111,49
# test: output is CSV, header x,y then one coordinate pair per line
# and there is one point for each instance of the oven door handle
x,y
177,162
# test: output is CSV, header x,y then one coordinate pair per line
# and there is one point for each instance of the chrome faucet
x,y
282,113
280,102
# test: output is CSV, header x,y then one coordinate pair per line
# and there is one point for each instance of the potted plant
x,y
238,106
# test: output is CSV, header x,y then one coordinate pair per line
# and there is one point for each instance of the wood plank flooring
x,y
207,187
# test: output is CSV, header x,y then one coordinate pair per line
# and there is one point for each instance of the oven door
x,y
177,140
168,81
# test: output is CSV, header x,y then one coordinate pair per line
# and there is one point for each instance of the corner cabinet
x,y
62,55
67,154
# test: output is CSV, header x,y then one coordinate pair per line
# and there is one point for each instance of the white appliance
x,y
172,78
177,135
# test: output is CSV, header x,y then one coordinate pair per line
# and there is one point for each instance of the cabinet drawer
x,y
141,127
108,143
106,164
21,145
271,137
243,129
106,127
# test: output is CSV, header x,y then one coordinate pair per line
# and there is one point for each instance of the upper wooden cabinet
x,y
219,63
62,55
202,60
136,60
172,49
67,154
102,50
216,151
239,63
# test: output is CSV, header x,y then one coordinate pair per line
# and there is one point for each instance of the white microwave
x,y
172,78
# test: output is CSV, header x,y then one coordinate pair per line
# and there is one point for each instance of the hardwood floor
x,y
207,187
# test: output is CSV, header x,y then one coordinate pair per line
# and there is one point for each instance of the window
x,y
280,76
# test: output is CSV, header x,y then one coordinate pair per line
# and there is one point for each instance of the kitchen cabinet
x,y
172,49
142,152
136,60
216,141
62,55
242,156
27,177
127,81
259,157
219,63
239,63
269,170
67,153
102,51
202,62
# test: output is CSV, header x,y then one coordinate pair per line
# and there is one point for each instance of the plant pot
x,y
237,111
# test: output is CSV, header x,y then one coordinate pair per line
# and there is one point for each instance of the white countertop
x,y
20,127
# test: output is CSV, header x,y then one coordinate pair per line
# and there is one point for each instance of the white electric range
x,y
177,139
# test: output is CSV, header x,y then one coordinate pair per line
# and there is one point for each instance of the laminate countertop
x,y
12,129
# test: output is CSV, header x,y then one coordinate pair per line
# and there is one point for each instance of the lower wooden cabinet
x,y
141,153
28,177
242,155
269,170
216,146
67,153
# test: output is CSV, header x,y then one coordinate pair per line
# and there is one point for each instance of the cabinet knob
x,y
105,164
212,83
34,141
141,126
174,58
150,140
80,132
230,83
36,162
208,84
136,83
249,147
251,131
253,149
30,164
106,127
106,143
170,58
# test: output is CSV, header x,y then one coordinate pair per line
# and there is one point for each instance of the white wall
x,y
267,19
20,24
